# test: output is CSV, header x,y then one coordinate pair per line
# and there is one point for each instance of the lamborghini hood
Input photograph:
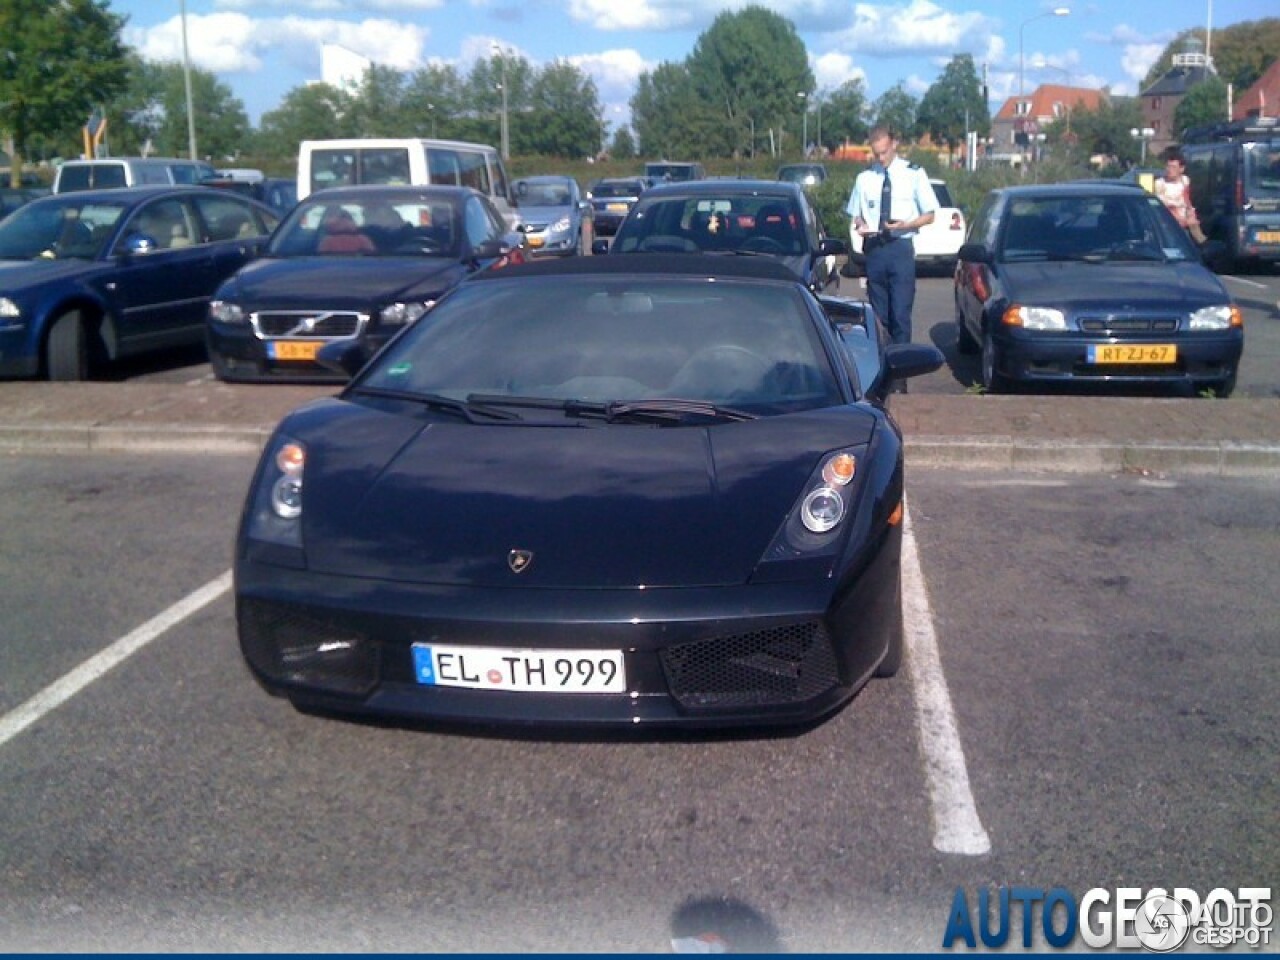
x,y
590,506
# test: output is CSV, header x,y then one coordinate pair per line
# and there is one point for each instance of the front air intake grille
x,y
782,665
308,324
296,649
1128,324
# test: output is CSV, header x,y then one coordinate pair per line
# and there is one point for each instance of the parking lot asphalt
x,y
1111,434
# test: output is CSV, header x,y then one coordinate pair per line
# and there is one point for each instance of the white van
x,y
344,163
129,172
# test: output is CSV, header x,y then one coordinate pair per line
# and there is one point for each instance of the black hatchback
x,y
766,218
1091,282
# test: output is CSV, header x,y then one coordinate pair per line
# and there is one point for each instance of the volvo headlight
x,y
8,309
1035,318
226,311
400,314
1220,316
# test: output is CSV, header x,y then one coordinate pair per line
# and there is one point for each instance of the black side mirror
x,y
832,247
975,253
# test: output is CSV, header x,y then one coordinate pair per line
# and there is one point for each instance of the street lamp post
x,y
1142,135
186,81
506,137
1055,12
804,125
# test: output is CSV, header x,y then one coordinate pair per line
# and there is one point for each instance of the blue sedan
x,y
94,276
1093,283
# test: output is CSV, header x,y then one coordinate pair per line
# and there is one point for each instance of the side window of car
x,y
168,223
227,219
474,172
480,223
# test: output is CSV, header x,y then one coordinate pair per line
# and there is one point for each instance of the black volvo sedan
x,y
602,492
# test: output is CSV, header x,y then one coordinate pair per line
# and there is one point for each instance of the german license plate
x,y
293,349
521,671
1269,236
1133,353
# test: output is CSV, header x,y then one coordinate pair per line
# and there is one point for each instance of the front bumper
x,y
551,244
238,353
775,654
1202,358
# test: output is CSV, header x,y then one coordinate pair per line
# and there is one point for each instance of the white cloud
x,y
1138,58
919,27
234,43
326,6
832,70
614,71
634,14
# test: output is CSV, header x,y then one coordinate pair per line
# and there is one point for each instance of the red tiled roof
x,y
1046,95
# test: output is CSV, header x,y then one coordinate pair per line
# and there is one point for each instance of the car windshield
x,y
1262,169
747,224
543,194
398,226
943,194
616,190
1133,227
61,228
540,345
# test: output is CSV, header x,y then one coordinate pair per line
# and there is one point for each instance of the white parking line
x,y
956,826
58,692
1251,283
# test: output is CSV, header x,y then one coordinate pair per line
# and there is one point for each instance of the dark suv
x,y
611,201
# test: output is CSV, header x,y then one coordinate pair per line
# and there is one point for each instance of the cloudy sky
x,y
263,48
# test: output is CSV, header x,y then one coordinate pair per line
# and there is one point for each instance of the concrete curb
x,y
1225,459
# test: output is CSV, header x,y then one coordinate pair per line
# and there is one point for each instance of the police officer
x,y
890,202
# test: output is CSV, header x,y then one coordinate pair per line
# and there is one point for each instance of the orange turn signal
x,y
895,518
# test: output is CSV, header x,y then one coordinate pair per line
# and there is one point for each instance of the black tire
x,y
892,661
964,339
992,380
67,349
1225,387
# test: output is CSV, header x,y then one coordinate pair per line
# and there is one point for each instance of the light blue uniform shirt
x,y
912,194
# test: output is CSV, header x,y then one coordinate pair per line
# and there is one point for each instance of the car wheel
x,y
67,352
964,339
992,379
892,661
1225,387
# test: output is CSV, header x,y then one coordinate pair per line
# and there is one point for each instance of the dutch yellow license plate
x,y
1269,236
1133,353
293,349
616,207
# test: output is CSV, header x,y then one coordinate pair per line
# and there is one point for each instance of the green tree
x,y
750,66
564,118
1241,52
1105,131
623,144
153,111
377,106
896,109
432,102
954,105
312,112
669,117
60,61
844,114
1206,102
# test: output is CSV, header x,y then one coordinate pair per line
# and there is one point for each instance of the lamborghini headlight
x,y
811,528
276,515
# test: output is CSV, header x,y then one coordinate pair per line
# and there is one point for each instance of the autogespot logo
x,y
1156,920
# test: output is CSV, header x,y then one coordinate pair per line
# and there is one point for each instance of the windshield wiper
x,y
657,410
469,410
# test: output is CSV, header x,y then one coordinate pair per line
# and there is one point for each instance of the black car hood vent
x,y
615,506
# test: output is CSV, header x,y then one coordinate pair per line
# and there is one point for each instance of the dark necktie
x,y
886,201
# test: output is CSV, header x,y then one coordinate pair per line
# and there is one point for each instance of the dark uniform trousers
x,y
891,283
